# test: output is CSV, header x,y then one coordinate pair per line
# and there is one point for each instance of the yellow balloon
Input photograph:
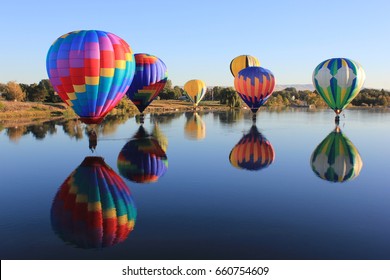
x,y
241,62
195,90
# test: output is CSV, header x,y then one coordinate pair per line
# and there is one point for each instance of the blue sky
x,y
198,39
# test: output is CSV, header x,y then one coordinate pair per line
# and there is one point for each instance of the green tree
x,y
3,89
230,97
167,91
37,93
177,92
51,95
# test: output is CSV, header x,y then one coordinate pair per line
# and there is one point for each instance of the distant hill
x,y
296,86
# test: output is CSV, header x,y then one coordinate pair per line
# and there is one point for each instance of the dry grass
x,y
12,112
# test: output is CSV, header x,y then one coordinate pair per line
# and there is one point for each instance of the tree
x,y
177,92
167,91
3,88
51,95
36,93
230,97
14,92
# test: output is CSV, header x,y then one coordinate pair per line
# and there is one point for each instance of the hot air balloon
x,y
242,61
93,207
336,159
91,71
338,81
194,128
253,152
149,79
195,90
254,85
142,160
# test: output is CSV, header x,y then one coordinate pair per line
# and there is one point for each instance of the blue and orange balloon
x,y
254,85
252,152
142,159
149,79
91,71
93,207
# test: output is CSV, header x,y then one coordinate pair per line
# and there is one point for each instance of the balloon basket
x,y
142,118
337,120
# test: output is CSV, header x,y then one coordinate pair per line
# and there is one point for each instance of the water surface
x,y
204,186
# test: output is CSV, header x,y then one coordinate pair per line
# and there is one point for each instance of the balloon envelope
x,y
149,79
195,90
336,159
142,160
91,71
93,207
254,85
242,61
338,81
252,152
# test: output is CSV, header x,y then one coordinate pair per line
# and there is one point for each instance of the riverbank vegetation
x,y
40,100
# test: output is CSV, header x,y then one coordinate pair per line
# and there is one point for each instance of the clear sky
x,y
197,39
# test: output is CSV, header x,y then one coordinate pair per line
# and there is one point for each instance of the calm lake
x,y
199,186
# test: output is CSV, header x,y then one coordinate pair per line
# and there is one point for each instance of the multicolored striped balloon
x,y
195,90
336,159
93,207
150,78
338,81
252,152
142,160
195,127
242,61
254,85
91,71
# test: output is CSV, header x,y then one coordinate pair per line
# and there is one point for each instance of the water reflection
x,y
252,152
73,128
142,159
38,130
164,118
93,208
229,117
336,159
160,137
194,127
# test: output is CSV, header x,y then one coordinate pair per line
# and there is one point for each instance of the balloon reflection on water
x,y
194,127
336,159
142,159
93,208
252,152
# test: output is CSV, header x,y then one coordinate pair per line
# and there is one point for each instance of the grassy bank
x,y
21,112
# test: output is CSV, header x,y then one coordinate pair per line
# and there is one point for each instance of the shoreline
x,y
29,113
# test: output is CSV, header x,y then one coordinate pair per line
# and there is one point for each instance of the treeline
x,y
292,97
44,92
41,92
